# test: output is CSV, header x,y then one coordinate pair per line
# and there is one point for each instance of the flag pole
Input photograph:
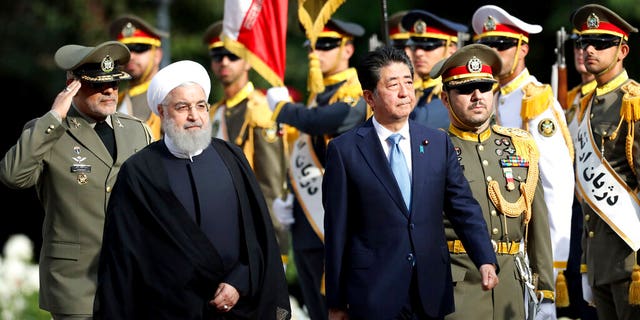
x,y
385,22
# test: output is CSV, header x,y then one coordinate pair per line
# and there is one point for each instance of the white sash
x,y
605,192
306,173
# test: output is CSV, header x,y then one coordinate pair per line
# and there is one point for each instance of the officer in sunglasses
x,y
608,147
524,102
144,43
243,117
431,39
501,165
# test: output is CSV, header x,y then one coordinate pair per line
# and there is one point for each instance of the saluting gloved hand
x,y
283,209
547,310
587,293
277,94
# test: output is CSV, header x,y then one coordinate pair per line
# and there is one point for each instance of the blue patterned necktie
x,y
399,167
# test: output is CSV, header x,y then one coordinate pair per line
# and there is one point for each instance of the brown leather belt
x,y
512,247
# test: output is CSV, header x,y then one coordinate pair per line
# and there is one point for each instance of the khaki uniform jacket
x,y
73,174
480,157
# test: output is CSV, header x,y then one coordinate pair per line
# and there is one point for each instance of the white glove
x,y
546,311
587,293
277,94
283,209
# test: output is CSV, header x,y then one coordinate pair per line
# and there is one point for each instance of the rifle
x,y
559,70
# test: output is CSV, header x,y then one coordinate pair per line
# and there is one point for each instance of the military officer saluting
x,y
608,166
524,102
144,42
501,165
72,155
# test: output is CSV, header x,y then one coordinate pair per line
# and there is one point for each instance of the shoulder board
x,y
630,110
124,116
536,99
350,92
511,132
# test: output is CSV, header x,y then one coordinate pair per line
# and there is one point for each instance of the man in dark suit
x,y
386,254
62,155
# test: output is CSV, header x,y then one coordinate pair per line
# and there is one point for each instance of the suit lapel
x,y
373,154
420,160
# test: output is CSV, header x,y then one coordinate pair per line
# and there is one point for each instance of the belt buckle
x,y
495,245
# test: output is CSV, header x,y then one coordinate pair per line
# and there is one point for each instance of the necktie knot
x,y
394,139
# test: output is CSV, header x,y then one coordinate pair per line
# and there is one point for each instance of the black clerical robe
x,y
157,263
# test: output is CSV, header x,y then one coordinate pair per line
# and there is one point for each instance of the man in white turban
x,y
187,229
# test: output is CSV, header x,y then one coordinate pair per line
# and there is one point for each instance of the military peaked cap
x,y
471,63
94,64
133,29
597,19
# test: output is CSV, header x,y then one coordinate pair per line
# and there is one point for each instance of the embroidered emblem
x,y
82,178
420,26
128,30
107,64
547,127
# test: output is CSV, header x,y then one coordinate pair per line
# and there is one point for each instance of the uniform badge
x,y
474,65
128,30
508,175
490,24
270,134
107,64
82,178
593,22
547,127
420,26
119,123
75,123
78,166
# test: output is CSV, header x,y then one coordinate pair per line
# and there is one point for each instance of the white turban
x,y
172,76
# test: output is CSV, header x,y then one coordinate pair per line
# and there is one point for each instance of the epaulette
x,y
630,112
350,92
536,99
522,140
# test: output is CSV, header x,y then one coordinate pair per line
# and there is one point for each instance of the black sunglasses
x,y
426,44
101,86
599,43
327,44
219,56
138,47
499,44
471,87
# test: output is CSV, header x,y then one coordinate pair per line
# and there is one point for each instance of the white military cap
x,y
493,21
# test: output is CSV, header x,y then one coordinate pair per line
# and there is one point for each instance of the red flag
x,y
256,30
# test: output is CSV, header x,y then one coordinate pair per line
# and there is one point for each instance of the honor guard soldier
x,y
501,165
587,84
399,38
243,117
432,39
72,155
144,43
335,106
608,166
523,102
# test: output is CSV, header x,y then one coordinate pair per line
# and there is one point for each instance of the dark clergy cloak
x,y
156,263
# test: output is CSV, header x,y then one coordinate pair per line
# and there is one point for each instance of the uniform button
x,y
587,217
494,231
485,163
48,130
480,148
494,213
489,178
591,234
591,116
108,189
52,127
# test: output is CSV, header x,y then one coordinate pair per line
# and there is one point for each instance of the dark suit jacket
x,y
372,240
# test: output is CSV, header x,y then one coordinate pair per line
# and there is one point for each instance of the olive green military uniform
x,y
501,167
247,120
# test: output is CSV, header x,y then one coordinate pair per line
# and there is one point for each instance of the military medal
x,y
508,174
546,127
82,178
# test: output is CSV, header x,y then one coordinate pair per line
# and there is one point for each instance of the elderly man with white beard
x,y
187,230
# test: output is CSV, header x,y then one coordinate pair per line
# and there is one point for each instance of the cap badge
x,y
490,24
420,26
474,65
128,30
593,22
107,64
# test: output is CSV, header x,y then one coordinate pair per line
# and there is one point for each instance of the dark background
x,y
31,32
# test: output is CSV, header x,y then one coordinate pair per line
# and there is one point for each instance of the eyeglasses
x,y
138,47
499,43
185,108
599,43
218,55
426,44
100,86
471,87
